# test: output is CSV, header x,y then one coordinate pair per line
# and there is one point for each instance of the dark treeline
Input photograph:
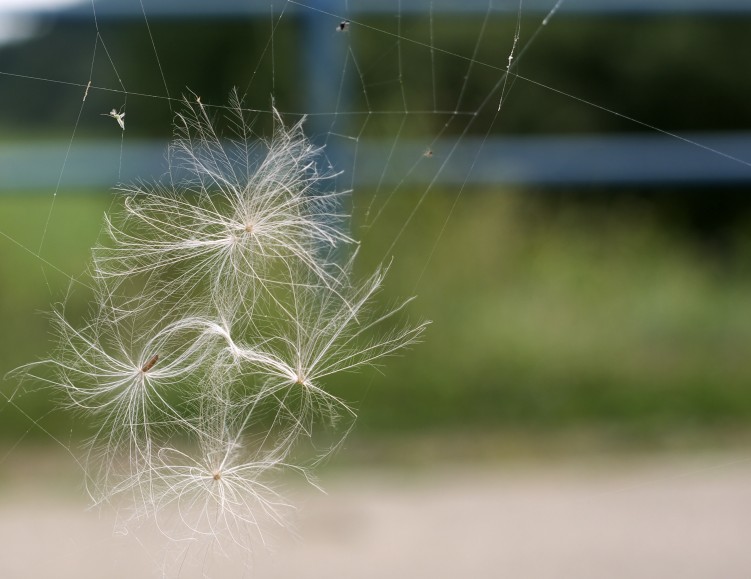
x,y
683,74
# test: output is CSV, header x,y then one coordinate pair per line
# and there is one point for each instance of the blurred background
x,y
584,252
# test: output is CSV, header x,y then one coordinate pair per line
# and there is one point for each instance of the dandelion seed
x,y
219,490
251,216
321,339
115,375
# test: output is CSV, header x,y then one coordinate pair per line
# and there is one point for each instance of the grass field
x,y
574,319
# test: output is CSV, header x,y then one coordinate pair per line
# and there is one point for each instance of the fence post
x,y
323,56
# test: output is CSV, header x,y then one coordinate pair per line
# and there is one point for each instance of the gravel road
x,y
658,517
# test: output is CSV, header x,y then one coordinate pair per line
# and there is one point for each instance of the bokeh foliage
x,y
681,73
545,317
611,309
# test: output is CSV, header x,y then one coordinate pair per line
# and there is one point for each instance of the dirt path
x,y
658,518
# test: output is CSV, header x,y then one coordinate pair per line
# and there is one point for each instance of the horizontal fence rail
x,y
580,160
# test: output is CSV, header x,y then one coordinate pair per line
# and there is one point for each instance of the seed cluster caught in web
x,y
225,299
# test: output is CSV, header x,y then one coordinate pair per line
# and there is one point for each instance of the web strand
x,y
156,55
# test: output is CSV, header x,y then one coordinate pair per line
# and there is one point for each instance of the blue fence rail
x,y
582,160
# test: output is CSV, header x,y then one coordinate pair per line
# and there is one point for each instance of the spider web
x,y
380,127
405,111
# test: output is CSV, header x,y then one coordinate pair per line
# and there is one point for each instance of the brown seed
x,y
150,364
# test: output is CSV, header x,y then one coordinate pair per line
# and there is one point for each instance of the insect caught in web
x,y
343,26
119,117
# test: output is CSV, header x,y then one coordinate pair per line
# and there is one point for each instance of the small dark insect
x,y
150,364
343,26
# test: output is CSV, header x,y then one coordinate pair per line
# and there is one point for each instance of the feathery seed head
x,y
252,211
240,317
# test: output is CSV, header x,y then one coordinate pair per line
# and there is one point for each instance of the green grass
x,y
28,287
544,321
559,319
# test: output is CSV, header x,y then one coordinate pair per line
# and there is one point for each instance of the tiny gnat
x,y
119,117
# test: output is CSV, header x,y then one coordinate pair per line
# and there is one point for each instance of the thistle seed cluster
x,y
225,300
